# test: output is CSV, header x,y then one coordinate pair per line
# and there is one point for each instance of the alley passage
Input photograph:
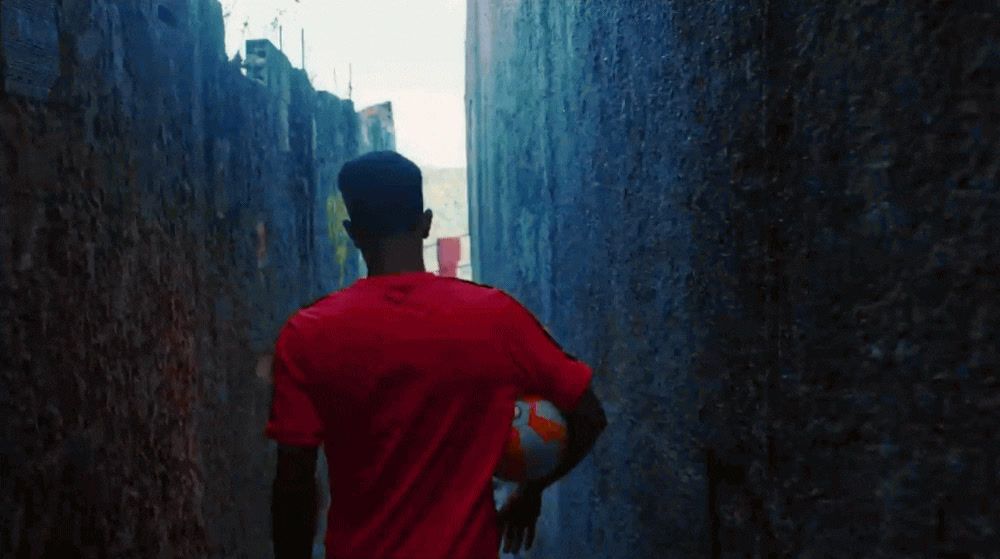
x,y
768,225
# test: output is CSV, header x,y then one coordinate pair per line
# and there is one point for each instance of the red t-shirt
x,y
409,381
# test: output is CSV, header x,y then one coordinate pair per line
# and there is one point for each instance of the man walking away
x,y
408,380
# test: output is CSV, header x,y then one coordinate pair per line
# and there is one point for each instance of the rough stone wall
x,y
768,226
154,235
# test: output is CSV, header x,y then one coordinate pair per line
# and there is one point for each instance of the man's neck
x,y
395,256
387,267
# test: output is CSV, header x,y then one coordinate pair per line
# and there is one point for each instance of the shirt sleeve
x,y
293,419
544,368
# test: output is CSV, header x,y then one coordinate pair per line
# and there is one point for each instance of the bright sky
x,y
410,52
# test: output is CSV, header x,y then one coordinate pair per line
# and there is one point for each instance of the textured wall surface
x,y
154,235
769,226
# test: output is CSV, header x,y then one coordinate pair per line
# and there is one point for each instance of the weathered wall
x,y
768,225
154,235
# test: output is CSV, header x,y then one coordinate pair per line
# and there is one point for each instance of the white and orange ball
x,y
536,443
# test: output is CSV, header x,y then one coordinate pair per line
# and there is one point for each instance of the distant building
x,y
378,133
271,68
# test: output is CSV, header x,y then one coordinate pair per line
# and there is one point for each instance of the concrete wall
x,y
768,225
155,232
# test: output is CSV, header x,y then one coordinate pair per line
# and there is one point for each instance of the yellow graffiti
x,y
336,213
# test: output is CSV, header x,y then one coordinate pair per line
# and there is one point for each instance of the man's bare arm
x,y
584,424
293,503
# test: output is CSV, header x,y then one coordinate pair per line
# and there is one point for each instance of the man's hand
x,y
518,516
517,519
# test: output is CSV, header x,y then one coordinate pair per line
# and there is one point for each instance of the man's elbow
x,y
602,421
589,414
599,421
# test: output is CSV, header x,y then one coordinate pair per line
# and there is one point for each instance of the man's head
x,y
383,192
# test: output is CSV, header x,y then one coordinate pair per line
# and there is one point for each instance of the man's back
x,y
409,382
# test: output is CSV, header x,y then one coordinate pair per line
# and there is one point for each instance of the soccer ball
x,y
536,443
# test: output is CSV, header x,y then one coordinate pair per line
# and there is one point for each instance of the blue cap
x,y
383,192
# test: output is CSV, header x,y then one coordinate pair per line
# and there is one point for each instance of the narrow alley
x,y
769,227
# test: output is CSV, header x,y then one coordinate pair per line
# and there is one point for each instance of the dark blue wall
x,y
154,236
768,227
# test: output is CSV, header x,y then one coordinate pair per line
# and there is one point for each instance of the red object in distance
x,y
449,254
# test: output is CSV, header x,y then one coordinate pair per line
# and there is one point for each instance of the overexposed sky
x,y
410,52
